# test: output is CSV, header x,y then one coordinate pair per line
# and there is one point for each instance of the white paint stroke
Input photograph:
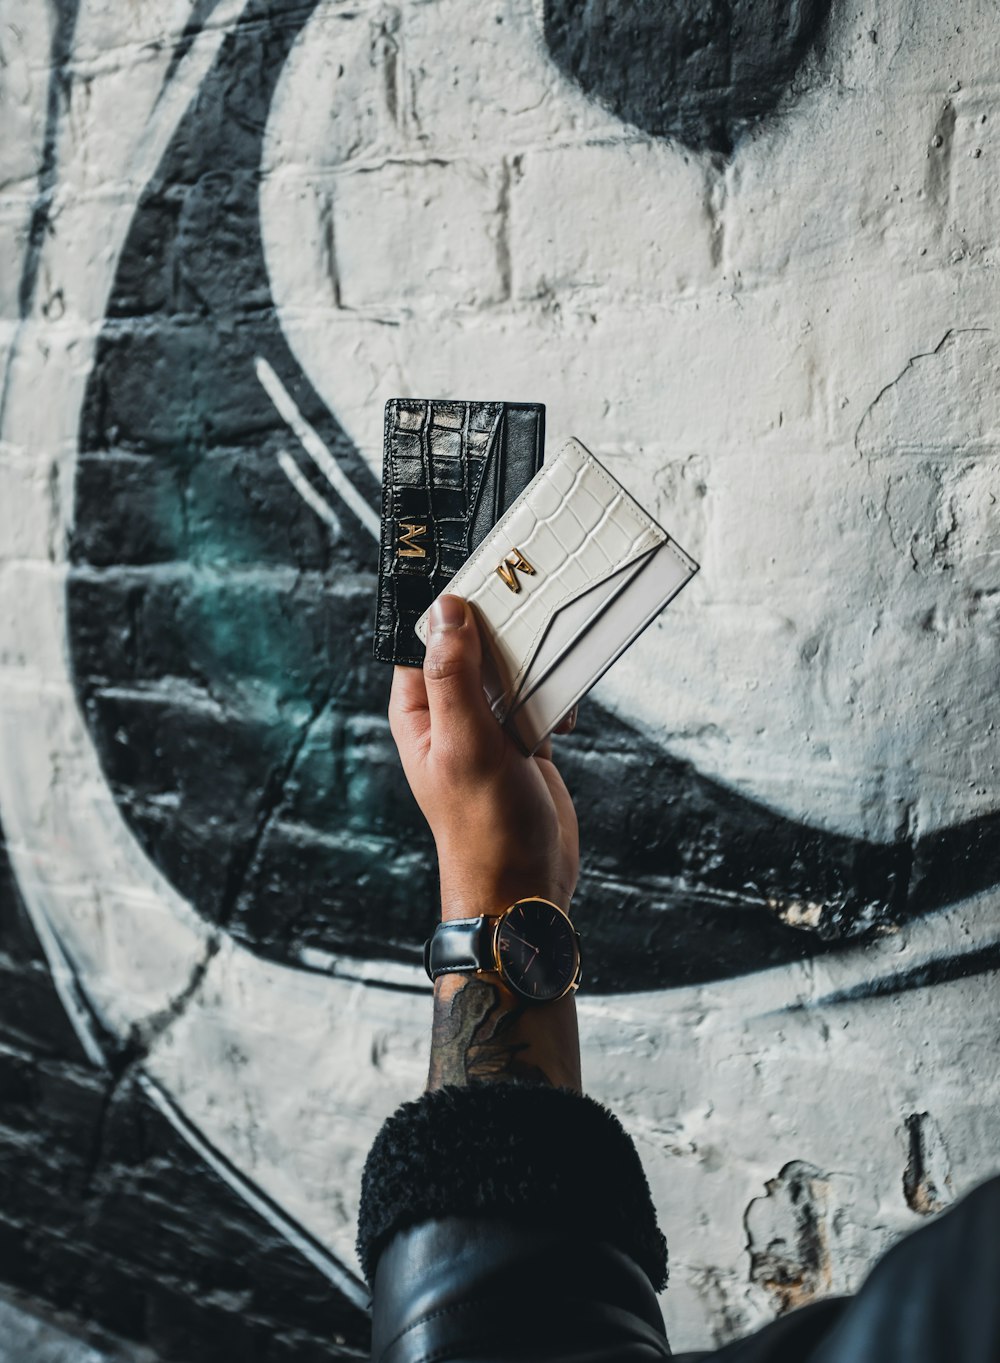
x,y
388,974
344,1281
68,988
155,932
308,493
315,448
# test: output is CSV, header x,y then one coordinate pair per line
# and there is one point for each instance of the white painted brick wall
x,y
722,334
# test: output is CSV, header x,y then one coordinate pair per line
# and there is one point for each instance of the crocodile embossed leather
x,y
603,569
450,471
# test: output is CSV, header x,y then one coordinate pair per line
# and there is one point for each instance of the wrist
x,y
462,898
529,954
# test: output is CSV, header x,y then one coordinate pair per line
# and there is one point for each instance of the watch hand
x,y
521,940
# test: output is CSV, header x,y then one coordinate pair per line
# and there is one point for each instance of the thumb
x,y
461,720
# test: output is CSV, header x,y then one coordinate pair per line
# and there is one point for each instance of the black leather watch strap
x,y
463,944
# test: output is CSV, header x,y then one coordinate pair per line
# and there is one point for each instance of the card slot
x,y
571,622
483,504
541,606
558,630
660,577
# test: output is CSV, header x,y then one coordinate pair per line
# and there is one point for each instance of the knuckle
x,y
446,658
442,666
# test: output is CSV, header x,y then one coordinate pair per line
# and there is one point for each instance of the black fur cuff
x,y
521,1152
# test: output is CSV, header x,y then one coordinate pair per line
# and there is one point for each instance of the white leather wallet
x,y
571,574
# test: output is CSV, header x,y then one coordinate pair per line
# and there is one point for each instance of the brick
x,y
178,387
973,171
142,510
440,250
613,238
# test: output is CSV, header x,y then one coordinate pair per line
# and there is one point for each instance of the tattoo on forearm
x,y
476,1036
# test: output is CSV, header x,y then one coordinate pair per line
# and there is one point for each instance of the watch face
x,y
537,950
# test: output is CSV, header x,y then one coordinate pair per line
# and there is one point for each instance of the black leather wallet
x,y
450,471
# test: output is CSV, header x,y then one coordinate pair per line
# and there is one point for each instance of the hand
x,y
504,824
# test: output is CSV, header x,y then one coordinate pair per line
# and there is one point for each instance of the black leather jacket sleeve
x,y
512,1223
464,1288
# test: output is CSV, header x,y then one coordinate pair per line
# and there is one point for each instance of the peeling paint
x,y
927,1181
788,1237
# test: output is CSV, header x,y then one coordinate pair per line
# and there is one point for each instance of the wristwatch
x,y
531,945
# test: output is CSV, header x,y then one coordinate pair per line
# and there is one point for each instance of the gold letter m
x,y
410,532
508,568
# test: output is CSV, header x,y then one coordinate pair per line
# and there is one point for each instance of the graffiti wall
x,y
746,253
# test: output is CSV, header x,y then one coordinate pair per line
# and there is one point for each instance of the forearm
x,y
483,1033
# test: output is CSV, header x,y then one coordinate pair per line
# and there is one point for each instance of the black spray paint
x,y
697,71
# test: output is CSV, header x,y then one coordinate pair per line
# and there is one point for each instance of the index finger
x,y
408,695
